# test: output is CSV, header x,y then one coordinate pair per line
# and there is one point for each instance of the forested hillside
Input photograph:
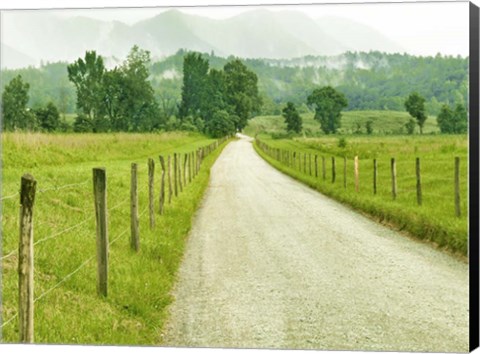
x,y
373,81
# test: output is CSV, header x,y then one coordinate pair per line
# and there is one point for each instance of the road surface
x,y
271,263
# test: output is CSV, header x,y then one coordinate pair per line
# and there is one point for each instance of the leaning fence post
x,y
189,156
134,235
162,186
419,181
25,259
100,194
184,170
324,169
457,187
394,178
169,176
180,184
316,166
151,194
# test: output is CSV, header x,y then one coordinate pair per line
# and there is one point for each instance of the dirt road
x,y
271,263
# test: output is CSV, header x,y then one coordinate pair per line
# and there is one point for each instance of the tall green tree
x,y
328,104
138,100
415,106
14,106
195,70
241,91
445,120
292,118
48,118
87,76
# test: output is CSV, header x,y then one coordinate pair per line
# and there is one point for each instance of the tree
x,y
220,124
195,70
410,126
453,122
241,91
14,106
292,118
369,127
328,104
48,118
87,76
415,106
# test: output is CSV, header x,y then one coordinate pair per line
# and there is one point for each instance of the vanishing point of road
x,y
271,263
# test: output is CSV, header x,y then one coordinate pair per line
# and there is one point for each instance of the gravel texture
x,y
271,263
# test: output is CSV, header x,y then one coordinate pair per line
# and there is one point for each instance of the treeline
x,y
369,81
215,102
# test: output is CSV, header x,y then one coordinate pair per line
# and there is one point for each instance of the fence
x,y
183,165
304,165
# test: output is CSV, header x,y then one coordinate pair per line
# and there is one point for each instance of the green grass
x,y
383,123
139,284
435,220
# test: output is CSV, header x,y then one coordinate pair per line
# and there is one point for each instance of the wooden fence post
x,y
189,156
305,162
357,179
134,234
169,176
374,176
345,172
100,194
175,174
458,212
162,186
316,166
151,194
180,183
324,169
394,178
419,181
25,259
184,170
333,170
310,164
294,163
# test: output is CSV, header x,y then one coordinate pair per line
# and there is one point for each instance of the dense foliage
x,y
292,118
453,121
328,104
415,106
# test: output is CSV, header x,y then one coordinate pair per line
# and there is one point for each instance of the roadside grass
x,y
67,308
434,220
383,123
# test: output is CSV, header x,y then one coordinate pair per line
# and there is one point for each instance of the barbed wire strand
x,y
9,255
65,186
10,196
9,320
62,232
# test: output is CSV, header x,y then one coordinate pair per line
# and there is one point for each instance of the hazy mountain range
x,y
34,36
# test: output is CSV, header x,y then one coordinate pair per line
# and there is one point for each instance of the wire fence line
x,y
10,196
65,186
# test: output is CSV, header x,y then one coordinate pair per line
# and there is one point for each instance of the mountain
x,y
14,59
260,33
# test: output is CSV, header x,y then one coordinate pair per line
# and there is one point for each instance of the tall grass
x,y
434,220
68,309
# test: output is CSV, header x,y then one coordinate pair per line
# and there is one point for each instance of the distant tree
x,y
195,70
83,124
14,106
460,119
241,91
48,118
369,127
220,124
410,126
328,104
415,106
87,76
452,122
292,118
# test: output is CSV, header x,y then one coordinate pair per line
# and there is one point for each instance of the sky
x,y
420,28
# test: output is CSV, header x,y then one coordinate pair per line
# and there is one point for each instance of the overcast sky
x,y
420,28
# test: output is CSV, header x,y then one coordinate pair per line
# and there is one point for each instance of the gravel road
x,y
270,263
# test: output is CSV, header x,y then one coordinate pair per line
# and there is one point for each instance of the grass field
x,y
383,123
67,308
434,220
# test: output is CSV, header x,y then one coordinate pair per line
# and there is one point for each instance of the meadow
x,y
353,122
434,220
67,307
